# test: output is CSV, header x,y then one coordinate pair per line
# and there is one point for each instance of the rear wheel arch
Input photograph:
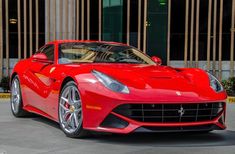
x,y
12,77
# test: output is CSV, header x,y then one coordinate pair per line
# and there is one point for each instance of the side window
x,y
48,50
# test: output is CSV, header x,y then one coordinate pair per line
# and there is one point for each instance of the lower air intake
x,y
169,113
112,121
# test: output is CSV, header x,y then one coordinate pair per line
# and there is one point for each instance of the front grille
x,y
163,113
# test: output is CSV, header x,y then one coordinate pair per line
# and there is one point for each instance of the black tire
x,y
79,132
20,112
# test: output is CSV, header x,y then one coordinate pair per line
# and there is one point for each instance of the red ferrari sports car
x,y
112,87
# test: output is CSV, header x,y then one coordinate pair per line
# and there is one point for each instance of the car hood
x,y
160,82
150,76
163,80
146,81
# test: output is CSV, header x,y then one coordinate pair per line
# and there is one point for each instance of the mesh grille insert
x,y
190,112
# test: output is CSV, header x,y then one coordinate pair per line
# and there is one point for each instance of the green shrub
x,y
229,86
5,84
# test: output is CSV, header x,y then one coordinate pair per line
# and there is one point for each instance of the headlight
x,y
110,83
214,83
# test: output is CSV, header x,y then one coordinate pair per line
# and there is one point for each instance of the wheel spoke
x,y
15,99
66,125
13,89
69,120
77,101
70,96
76,119
14,104
65,99
15,85
78,111
15,92
63,107
73,95
65,115
72,122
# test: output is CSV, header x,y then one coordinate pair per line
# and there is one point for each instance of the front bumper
x,y
109,119
100,114
126,125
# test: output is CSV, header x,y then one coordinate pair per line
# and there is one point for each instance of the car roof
x,y
86,41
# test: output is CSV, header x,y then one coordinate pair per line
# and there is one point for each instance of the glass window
x,y
157,28
178,30
134,23
101,53
48,50
113,20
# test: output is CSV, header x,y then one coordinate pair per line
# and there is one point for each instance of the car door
x,y
40,81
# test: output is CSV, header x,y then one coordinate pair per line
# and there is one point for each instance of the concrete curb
x,y
230,99
5,95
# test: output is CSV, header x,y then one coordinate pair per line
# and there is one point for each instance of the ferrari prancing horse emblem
x,y
181,111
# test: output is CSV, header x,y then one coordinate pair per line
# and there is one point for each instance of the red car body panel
x,y
41,85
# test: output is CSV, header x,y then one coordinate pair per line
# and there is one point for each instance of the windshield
x,y
100,53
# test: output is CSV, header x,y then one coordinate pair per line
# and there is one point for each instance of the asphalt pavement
x,y
38,135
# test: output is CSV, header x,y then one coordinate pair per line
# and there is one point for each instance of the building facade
x,y
184,33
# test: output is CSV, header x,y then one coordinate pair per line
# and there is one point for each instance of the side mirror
x,y
41,57
157,60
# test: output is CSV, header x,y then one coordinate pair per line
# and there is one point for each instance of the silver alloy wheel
x,y
15,95
70,109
